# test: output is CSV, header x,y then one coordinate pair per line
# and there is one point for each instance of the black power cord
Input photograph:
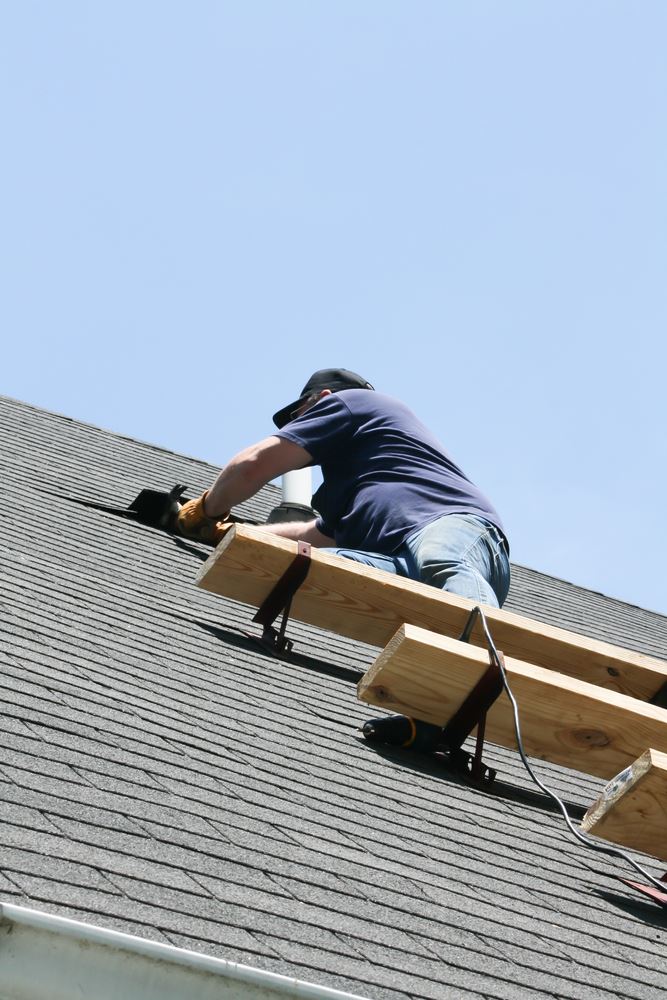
x,y
586,840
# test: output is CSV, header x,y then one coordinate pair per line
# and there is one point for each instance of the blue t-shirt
x,y
385,475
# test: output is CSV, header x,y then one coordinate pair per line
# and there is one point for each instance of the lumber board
x,y
563,720
367,604
632,809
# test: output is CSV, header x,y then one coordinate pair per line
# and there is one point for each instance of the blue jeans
x,y
460,553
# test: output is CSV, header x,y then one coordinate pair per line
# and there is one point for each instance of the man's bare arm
x,y
251,469
300,531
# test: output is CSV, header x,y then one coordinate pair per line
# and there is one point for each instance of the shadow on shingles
x,y
437,766
242,640
189,547
248,642
431,765
533,797
642,909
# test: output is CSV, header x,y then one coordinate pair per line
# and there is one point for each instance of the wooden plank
x,y
632,808
563,720
367,604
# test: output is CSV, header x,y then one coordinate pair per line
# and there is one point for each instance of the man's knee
x,y
466,582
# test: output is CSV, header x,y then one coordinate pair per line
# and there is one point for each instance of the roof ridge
x,y
589,590
105,430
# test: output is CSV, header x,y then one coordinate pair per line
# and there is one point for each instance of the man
x,y
391,495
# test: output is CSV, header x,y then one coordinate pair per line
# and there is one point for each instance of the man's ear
x,y
325,392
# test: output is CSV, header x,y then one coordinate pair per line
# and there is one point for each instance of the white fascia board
x,y
43,957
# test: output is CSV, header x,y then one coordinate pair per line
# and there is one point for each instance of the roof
x,y
163,776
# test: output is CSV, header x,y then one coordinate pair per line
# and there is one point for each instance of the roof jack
x,y
280,599
400,730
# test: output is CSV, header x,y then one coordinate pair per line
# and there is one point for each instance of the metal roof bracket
x,y
470,714
280,599
648,890
473,713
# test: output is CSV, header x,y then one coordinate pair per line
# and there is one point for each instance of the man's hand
x,y
193,522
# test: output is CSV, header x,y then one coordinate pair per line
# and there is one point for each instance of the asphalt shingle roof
x,y
162,775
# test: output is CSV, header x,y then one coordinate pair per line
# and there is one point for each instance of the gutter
x,y
43,957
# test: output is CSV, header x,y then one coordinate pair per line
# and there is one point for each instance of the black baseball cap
x,y
327,378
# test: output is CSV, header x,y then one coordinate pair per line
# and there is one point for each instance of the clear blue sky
x,y
465,201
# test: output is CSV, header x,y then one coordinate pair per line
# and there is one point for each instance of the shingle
x,y
615,973
95,856
20,815
8,885
272,963
18,864
63,908
53,806
121,906
449,982
38,761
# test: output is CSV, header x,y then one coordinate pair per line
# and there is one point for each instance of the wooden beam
x,y
563,720
368,604
632,808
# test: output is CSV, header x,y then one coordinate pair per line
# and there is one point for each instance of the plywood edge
x,y
368,679
629,779
631,810
615,790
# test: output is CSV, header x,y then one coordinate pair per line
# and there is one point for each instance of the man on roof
x,y
391,496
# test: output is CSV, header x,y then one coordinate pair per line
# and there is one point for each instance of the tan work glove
x,y
193,522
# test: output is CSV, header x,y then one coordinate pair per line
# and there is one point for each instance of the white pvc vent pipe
x,y
50,958
298,487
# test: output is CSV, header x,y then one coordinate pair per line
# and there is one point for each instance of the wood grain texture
x,y
369,605
632,808
563,720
